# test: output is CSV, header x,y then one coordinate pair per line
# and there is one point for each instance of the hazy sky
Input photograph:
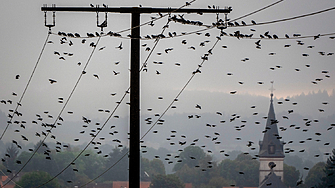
x,y
23,35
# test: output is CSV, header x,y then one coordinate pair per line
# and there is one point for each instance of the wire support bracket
x,y
53,18
104,23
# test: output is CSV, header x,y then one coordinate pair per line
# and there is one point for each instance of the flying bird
x,y
120,46
52,81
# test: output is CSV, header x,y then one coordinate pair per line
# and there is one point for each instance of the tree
x,y
294,160
247,171
61,160
190,156
157,167
243,170
329,179
187,174
195,166
42,148
315,175
10,157
219,182
145,167
120,171
34,179
90,164
291,175
227,169
166,181
151,168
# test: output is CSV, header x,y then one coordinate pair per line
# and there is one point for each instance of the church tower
x,y
271,153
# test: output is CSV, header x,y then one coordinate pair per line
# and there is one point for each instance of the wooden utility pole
x,y
134,147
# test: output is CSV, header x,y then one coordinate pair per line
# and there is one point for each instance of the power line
x,y
187,4
288,19
257,11
87,144
160,117
67,101
26,87
143,65
262,23
11,179
170,105
211,27
118,104
180,92
284,38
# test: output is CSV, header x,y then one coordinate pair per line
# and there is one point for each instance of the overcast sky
x,y
23,35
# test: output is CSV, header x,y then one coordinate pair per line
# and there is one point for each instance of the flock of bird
x,y
213,135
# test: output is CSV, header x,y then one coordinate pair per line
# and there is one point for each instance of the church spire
x,y
271,146
271,89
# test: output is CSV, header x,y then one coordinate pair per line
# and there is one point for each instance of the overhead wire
x,y
111,115
254,12
160,117
11,179
179,93
157,18
209,27
262,23
291,18
80,153
145,23
284,38
184,87
143,65
61,111
257,24
26,87
123,156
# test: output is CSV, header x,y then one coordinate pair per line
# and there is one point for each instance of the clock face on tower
x,y
272,165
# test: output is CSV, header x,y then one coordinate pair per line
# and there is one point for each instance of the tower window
x,y
271,149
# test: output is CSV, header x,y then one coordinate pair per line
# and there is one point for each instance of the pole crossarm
x,y
134,10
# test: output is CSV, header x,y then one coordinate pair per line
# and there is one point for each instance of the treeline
x,y
89,165
192,165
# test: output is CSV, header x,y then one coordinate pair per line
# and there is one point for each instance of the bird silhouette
x,y
120,46
52,81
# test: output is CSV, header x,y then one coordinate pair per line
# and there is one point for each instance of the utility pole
x,y
134,148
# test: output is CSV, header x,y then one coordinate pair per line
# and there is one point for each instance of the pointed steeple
x,y
271,146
